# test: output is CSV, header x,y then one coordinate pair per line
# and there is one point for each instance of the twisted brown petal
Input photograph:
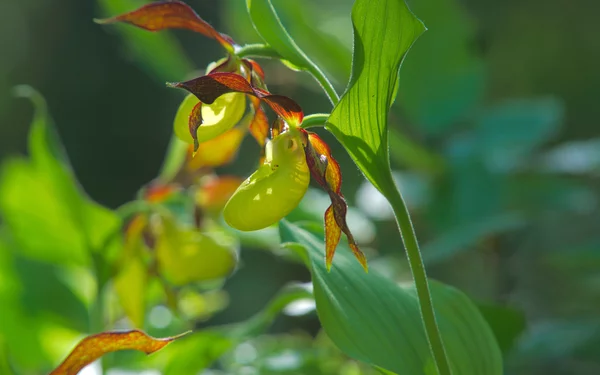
x,y
326,171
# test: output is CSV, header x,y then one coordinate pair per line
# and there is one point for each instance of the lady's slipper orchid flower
x,y
217,104
282,180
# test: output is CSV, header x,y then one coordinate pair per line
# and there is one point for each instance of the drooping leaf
x,y
375,320
384,30
326,171
172,14
95,346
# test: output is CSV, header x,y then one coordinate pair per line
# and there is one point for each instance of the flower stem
x,y
256,50
316,119
266,51
420,277
318,74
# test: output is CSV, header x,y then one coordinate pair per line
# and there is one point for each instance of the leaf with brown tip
x,y
95,346
164,15
326,171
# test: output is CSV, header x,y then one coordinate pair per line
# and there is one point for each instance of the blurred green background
x,y
495,143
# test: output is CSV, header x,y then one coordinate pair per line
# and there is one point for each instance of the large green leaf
x,y
384,30
48,215
375,320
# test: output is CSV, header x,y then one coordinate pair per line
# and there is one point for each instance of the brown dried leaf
x,y
164,15
95,346
326,171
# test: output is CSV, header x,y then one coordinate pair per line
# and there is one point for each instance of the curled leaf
x,y
326,171
95,346
164,15
210,87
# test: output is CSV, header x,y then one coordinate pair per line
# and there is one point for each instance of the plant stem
x,y
420,277
257,50
316,119
266,51
318,74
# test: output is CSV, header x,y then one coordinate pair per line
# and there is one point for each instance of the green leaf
x,y
375,320
48,215
384,30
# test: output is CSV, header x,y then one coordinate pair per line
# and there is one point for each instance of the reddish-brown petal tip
x,y
173,14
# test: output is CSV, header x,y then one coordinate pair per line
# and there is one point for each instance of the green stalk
x,y
318,74
316,119
267,52
286,43
256,50
417,268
